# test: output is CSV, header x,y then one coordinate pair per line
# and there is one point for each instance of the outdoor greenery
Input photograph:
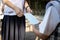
x,y
38,6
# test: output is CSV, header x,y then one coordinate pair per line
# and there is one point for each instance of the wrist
x,y
16,9
27,7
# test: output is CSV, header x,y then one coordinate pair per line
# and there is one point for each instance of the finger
x,y
20,15
31,11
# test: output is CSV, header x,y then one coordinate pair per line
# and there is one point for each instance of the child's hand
x,y
19,13
29,10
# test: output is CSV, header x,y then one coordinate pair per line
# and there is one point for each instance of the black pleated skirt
x,y
13,28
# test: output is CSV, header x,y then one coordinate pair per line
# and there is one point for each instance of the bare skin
x,y
18,11
42,36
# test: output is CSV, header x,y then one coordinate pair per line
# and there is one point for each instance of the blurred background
x,y
38,7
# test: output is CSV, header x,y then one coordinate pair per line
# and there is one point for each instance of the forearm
x,y
8,3
26,4
42,36
27,7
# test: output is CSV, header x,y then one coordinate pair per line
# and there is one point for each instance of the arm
x,y
17,10
27,7
8,3
42,36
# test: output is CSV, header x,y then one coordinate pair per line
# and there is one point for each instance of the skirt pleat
x,y
13,28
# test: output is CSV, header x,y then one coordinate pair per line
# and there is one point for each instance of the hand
x,y
29,10
19,13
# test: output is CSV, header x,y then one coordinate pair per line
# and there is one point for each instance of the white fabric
x,y
31,18
52,3
18,3
55,4
50,21
1,14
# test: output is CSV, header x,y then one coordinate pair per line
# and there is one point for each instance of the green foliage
x,y
38,6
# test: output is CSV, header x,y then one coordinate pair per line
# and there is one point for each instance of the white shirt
x,y
18,3
50,21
